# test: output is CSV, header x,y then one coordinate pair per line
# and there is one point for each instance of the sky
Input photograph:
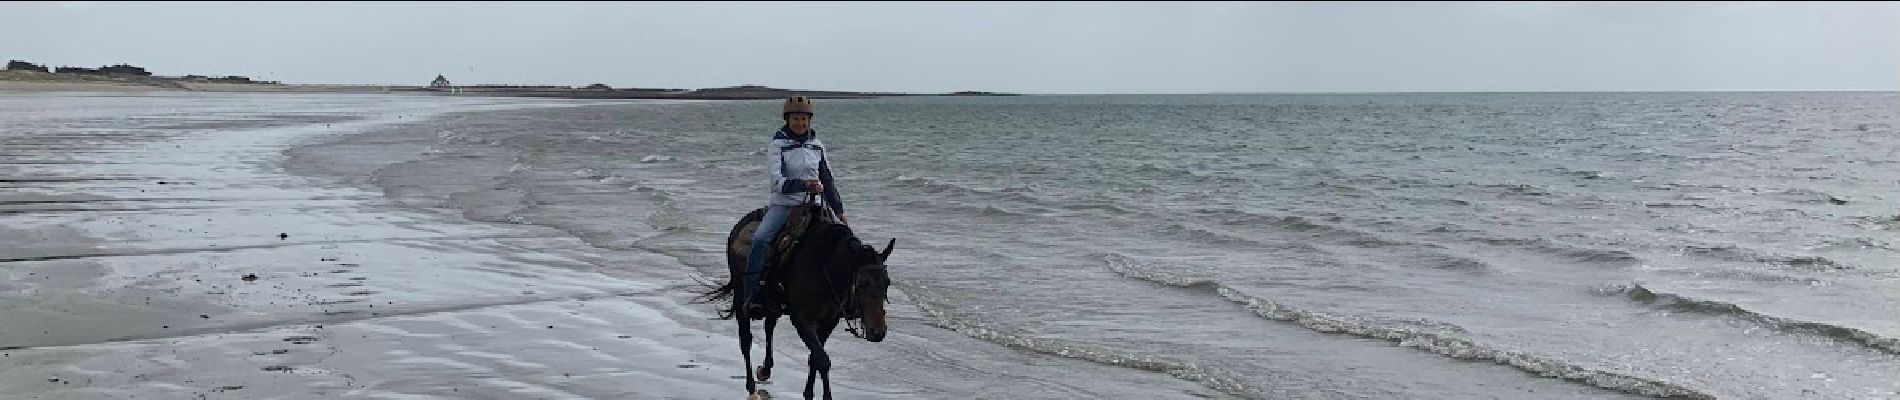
x,y
1081,48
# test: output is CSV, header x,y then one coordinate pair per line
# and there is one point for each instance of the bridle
x,y
851,324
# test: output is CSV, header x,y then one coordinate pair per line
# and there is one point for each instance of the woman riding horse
x,y
830,276
796,163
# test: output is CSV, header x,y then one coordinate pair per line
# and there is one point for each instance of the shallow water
x,y
1732,245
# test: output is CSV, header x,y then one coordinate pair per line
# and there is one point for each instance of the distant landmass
x,y
26,75
742,92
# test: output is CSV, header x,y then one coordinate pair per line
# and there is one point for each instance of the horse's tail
x,y
735,264
726,294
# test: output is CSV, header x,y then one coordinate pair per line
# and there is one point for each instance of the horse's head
x,y
869,288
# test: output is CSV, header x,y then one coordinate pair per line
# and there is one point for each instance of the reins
x,y
850,324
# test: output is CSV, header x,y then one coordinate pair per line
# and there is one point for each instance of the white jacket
x,y
791,160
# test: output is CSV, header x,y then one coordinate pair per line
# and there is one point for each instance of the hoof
x,y
765,375
754,396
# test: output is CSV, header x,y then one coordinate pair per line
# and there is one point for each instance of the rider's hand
x,y
843,220
814,186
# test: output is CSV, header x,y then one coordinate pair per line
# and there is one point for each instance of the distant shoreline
x,y
35,81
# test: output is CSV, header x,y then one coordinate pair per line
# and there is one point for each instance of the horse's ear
x,y
887,249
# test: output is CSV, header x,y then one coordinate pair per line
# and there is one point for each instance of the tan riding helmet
x,y
797,104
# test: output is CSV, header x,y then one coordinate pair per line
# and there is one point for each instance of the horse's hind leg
x,y
765,371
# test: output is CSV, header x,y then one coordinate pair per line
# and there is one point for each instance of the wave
x,y
589,173
1805,196
1432,336
1335,189
1856,243
1884,223
1292,223
1204,235
1673,205
1676,302
979,210
1429,254
1389,182
1457,263
1738,254
1307,226
1741,275
1151,169
1103,206
1522,189
669,216
1582,173
450,136
1220,380
1571,252
940,186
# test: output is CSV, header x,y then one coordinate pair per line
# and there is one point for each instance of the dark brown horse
x,y
830,277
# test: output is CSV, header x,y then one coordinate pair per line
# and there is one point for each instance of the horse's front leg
x,y
819,360
765,371
824,372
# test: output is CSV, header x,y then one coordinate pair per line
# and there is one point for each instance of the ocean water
x,y
1701,245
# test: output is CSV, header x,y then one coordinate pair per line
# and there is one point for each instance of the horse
x,y
829,277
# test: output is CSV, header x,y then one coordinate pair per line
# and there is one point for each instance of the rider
x,y
797,166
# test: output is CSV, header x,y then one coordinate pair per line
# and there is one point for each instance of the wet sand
x,y
127,277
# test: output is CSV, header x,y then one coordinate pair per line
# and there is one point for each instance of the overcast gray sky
x,y
1017,47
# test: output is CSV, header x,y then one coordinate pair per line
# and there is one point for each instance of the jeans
x,y
761,240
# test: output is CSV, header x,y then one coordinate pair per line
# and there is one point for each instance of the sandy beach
x,y
157,246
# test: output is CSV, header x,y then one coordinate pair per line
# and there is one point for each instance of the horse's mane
x,y
833,237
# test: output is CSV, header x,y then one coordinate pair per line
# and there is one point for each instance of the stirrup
x,y
754,308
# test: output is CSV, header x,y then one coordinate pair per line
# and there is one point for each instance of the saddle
x,y
780,252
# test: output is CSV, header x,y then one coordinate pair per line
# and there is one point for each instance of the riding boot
x,y
750,295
